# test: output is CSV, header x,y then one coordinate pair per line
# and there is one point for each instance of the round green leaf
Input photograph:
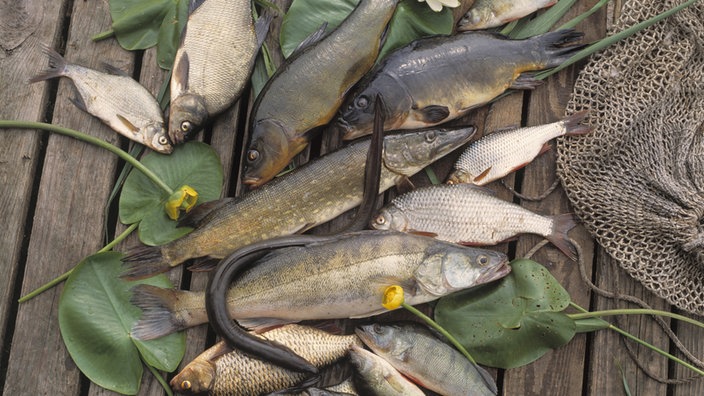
x,y
195,164
512,322
95,318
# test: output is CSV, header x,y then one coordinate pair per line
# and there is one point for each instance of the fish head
x,y
186,117
269,152
356,115
448,269
158,139
197,377
360,359
475,18
406,153
383,340
390,218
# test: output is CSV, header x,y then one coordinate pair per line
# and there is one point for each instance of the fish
x,y
485,14
306,91
345,388
379,376
213,63
497,154
308,196
115,98
222,371
343,277
414,351
470,215
437,79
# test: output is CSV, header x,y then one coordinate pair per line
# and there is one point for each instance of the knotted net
x,y
637,181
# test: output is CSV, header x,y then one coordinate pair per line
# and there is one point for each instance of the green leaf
x,y
95,318
512,322
195,164
543,22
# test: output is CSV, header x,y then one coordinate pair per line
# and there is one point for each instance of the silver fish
x,y
416,353
115,98
379,376
486,14
470,215
344,277
497,154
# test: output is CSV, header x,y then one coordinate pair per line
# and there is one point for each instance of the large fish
x,y
486,14
310,195
379,377
115,98
221,371
344,277
308,88
470,215
212,64
437,79
429,362
497,154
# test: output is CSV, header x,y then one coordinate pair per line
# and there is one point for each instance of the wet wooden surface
x,y
55,190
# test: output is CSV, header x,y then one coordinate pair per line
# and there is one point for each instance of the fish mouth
x,y
497,272
252,182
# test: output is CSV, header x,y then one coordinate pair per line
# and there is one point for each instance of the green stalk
x,y
103,35
613,312
574,22
90,139
161,380
439,328
65,275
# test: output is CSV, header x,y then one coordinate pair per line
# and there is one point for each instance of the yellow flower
x,y
184,198
436,5
393,297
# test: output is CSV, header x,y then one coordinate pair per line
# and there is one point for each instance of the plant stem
x,y
572,23
65,275
159,378
103,35
613,312
439,328
89,139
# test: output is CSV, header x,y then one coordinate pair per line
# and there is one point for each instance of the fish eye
x,y
186,126
362,102
377,328
252,155
163,140
430,136
483,260
381,220
186,385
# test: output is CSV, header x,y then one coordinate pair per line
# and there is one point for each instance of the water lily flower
x,y
184,198
436,5
393,297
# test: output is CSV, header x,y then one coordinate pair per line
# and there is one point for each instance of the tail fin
x,y
142,262
57,66
559,46
573,124
562,223
158,318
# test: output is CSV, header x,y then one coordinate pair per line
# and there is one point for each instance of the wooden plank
x,y
68,222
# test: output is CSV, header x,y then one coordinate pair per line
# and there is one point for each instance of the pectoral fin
x,y
128,124
180,72
433,114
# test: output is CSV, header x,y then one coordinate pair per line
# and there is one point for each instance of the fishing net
x,y
637,181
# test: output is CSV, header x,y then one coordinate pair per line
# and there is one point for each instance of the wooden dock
x,y
55,192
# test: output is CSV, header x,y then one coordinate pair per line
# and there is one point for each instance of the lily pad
x,y
95,318
194,164
512,322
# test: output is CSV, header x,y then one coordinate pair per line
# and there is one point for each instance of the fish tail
x,y
142,262
559,46
562,223
57,66
574,126
158,318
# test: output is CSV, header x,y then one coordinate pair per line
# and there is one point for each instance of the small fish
x,y
470,215
379,376
221,371
497,154
486,14
308,88
437,79
343,277
213,63
115,98
429,362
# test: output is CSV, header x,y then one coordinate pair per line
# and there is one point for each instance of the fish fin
x,y
423,233
481,178
204,264
180,72
261,26
558,46
115,71
219,349
329,326
142,262
127,123
57,66
404,185
157,318
261,324
193,5
434,114
526,81
194,218
77,101
487,378
573,124
546,147
311,39
562,223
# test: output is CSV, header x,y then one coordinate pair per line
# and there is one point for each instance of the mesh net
x,y
637,181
